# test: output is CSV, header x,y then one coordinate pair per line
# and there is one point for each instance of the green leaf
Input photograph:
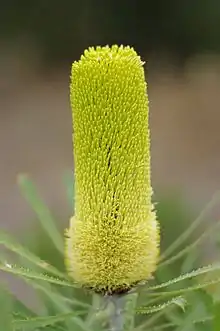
x,y
169,325
19,271
5,310
190,247
179,301
147,325
40,322
130,309
186,234
187,289
47,222
61,301
163,326
189,275
158,312
57,303
20,310
94,310
216,322
11,244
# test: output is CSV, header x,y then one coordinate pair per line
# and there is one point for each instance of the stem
x,y
116,318
93,310
116,313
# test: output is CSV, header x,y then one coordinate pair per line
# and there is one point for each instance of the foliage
x,y
188,302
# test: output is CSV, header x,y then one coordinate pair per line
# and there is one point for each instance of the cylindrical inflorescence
x,y
113,239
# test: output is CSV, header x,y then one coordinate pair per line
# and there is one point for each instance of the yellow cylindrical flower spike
x,y
112,242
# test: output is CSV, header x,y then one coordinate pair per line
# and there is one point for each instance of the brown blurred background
x,y
180,41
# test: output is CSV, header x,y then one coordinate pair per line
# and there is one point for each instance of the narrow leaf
x,y
5,310
47,222
11,244
56,296
186,234
169,325
129,314
216,316
179,301
190,247
19,271
189,275
40,322
187,289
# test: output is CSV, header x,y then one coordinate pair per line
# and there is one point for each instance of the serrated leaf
x,y
40,322
167,306
179,301
19,271
146,325
11,244
189,275
44,215
187,289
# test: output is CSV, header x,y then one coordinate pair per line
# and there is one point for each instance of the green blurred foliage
x,y
65,306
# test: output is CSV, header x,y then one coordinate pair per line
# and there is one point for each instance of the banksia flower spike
x,y
113,238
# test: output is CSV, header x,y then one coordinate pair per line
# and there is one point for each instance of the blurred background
x,y
180,42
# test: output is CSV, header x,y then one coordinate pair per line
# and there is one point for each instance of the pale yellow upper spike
x,y
113,238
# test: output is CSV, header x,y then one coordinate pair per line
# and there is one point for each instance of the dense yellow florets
x,y
113,238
